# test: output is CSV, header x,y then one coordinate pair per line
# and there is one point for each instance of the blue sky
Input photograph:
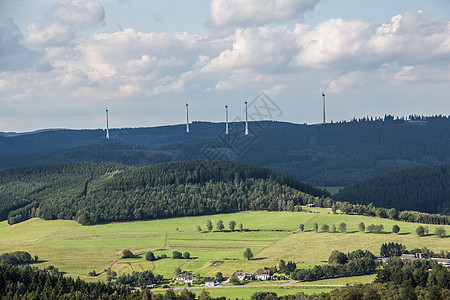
x,y
62,62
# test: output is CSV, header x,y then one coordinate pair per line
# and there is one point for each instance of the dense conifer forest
x,y
334,154
104,192
425,189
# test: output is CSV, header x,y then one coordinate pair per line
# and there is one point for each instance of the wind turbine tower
x,y
226,119
107,124
187,117
246,119
323,96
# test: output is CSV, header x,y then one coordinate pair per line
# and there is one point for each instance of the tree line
x,y
354,263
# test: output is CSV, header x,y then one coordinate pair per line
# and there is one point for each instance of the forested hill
x,y
336,154
425,189
104,192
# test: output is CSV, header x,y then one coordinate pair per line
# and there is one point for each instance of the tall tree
x,y
209,225
219,225
395,229
440,232
420,230
232,225
342,227
248,254
315,227
361,227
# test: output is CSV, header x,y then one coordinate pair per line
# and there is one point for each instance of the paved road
x,y
289,284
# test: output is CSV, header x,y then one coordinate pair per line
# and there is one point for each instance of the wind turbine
x,y
226,119
107,124
323,96
187,117
246,119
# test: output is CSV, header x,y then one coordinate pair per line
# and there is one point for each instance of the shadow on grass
x,y
258,258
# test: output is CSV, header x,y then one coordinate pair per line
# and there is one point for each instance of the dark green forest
x,y
426,189
93,193
334,154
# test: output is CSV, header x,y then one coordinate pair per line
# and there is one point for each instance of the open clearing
x,y
272,236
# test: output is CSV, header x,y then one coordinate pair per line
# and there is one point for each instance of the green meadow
x,y
77,250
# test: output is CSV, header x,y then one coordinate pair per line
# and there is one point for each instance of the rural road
x,y
260,286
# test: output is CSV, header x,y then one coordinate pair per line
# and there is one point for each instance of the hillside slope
x,y
323,155
426,189
99,192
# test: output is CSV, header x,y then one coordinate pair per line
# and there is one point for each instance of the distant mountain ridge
x,y
325,155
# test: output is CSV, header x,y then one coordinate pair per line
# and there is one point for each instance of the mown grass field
x,y
272,236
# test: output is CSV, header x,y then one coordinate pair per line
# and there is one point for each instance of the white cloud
x,y
256,12
276,90
69,70
264,47
62,22
344,81
78,13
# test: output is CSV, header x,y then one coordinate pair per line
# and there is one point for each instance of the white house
x,y
186,278
210,282
264,274
241,275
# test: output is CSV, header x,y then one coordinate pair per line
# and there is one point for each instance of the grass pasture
x,y
272,236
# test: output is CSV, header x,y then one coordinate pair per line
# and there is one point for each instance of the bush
x,y
177,254
150,256
301,227
234,280
361,227
127,254
15,258
420,230
186,255
440,232
325,227
395,229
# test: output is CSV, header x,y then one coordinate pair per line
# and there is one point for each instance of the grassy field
x,y
272,236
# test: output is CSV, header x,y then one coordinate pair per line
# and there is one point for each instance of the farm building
x,y
241,275
210,282
264,274
186,278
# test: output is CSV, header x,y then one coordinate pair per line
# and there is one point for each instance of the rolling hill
x,y
426,189
105,192
336,154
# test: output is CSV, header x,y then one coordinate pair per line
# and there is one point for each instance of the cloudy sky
x,y
63,62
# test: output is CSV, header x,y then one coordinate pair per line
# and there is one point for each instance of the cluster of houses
x,y
419,256
188,279
262,274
